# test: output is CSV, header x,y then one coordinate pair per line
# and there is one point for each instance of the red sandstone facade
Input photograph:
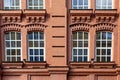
x,y
58,21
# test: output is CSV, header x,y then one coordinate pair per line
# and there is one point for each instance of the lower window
x,y
36,46
13,46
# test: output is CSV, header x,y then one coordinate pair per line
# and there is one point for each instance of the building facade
x,y
59,39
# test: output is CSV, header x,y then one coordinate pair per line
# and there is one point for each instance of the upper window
x,y
80,4
103,4
103,46
13,46
11,4
80,46
35,4
36,46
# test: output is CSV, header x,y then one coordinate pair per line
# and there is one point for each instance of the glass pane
x,y
41,35
108,51
36,58
103,35
30,36
98,59
30,43
18,36
85,43
80,59
98,35
109,35
7,44
12,35
80,44
41,43
18,43
40,2
103,51
109,44
74,2
12,43
98,2
35,2
80,2
85,35
85,59
17,2
7,36
85,52
75,51
31,58
104,2
110,2
13,52
80,35
35,43
103,43
31,51
85,2
8,58
35,35
18,51
103,59
13,58
97,43
74,35
30,2
41,59
41,52
75,59
74,43
108,59
79,51
35,51
18,59
8,51
98,51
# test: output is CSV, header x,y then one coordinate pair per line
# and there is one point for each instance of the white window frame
x,y
33,48
105,5
83,48
12,47
14,6
80,5
104,47
33,7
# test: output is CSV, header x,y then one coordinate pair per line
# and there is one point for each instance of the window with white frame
x,y
12,46
80,46
80,4
103,46
36,46
35,4
11,4
104,4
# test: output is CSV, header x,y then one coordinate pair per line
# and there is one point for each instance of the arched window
x,y
80,4
103,46
36,50
104,4
11,4
80,46
35,4
13,46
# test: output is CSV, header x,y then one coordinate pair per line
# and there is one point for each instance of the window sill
x,y
26,64
106,11
96,65
36,12
81,12
10,12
